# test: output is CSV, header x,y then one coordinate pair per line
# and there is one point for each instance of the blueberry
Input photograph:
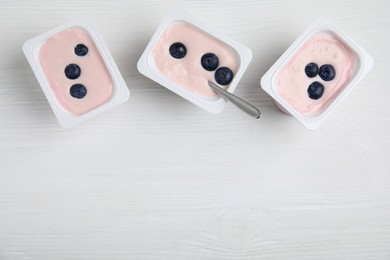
x,y
178,50
327,72
78,91
81,50
223,75
209,61
315,90
311,70
72,71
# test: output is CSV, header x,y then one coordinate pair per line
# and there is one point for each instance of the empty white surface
x,y
158,178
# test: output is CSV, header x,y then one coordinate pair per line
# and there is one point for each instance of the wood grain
x,y
158,178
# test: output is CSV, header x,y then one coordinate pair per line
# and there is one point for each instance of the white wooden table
x,y
158,178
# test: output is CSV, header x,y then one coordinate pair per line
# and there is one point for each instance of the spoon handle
x,y
242,104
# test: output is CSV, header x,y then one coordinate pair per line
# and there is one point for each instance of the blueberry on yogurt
x,y
223,76
315,90
311,70
209,61
178,50
72,71
327,72
78,91
81,50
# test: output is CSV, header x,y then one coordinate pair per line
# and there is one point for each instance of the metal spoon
x,y
241,104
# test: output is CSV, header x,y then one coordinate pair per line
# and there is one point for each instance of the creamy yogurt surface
x,y
188,71
292,82
57,52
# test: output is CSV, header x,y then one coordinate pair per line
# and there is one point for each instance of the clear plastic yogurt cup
x,y
185,75
76,72
297,93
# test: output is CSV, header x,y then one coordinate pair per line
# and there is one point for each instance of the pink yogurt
x,y
57,52
292,82
188,71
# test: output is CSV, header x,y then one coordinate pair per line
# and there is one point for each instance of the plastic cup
x,y
185,76
322,43
76,72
